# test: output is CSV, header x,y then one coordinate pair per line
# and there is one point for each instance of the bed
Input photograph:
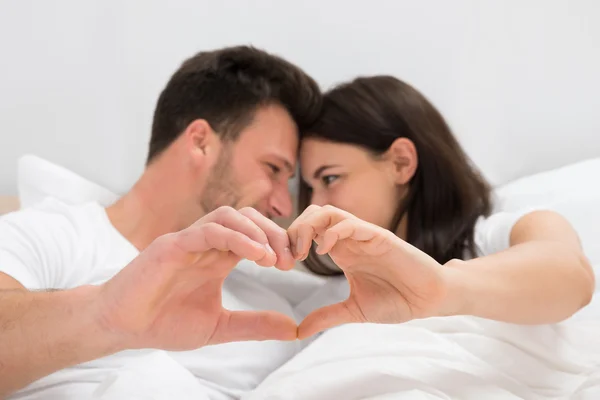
x,y
517,83
463,357
445,358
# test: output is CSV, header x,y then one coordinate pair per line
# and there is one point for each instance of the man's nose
x,y
280,204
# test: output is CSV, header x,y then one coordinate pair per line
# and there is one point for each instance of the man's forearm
x,y
42,332
531,283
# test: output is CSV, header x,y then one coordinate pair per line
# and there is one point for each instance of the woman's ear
x,y
403,157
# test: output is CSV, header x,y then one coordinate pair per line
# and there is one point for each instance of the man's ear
x,y
200,140
404,160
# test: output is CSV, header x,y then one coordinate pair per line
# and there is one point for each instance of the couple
x,y
386,191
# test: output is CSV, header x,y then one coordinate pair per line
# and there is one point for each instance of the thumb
x,y
325,318
238,326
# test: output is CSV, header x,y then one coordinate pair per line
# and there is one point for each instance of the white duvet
x,y
466,358
444,358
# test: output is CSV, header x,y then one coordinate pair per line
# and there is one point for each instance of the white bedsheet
x,y
153,375
440,358
444,358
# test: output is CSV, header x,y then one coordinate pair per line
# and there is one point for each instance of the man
x,y
148,271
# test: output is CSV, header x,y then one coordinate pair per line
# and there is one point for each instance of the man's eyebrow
x,y
289,166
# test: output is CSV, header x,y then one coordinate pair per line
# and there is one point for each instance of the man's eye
x,y
274,168
329,179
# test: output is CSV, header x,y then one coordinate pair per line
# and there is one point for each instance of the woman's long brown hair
x,y
446,195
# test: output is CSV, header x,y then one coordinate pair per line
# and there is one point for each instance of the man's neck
x,y
150,209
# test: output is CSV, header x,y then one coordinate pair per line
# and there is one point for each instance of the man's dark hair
x,y
226,87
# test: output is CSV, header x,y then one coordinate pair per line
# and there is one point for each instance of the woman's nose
x,y
318,199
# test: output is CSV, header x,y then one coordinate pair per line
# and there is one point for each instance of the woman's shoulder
x,y
492,233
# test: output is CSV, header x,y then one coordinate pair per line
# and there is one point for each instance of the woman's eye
x,y
329,179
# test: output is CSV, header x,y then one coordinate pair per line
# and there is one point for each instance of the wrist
x,y
457,289
103,339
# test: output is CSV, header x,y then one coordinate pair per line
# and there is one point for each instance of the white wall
x,y
79,79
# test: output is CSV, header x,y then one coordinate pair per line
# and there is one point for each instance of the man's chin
x,y
264,212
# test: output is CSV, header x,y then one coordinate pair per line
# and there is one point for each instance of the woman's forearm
x,y
536,282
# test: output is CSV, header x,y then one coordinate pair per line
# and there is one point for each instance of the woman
x,y
408,221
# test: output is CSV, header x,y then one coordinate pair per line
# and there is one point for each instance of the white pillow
x,y
573,191
38,178
546,188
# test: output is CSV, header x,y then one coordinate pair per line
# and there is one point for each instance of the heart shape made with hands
x,y
390,280
170,296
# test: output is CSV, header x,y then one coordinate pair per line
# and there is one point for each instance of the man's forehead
x,y
289,164
261,135
268,146
276,138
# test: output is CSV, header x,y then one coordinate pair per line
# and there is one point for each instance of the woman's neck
x,y
402,228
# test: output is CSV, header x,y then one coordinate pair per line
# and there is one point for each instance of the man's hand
x,y
169,297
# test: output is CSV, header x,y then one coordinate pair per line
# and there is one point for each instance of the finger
x,y
234,326
354,229
225,239
325,318
294,233
306,234
200,238
319,221
233,219
276,236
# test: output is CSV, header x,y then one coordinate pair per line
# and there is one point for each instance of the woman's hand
x,y
390,280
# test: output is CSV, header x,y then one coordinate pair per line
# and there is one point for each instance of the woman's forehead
x,y
316,152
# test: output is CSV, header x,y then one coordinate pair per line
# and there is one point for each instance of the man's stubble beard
x,y
222,189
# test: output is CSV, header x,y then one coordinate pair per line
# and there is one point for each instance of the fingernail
x,y
319,249
299,248
287,253
269,249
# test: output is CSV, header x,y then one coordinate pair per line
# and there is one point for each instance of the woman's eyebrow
x,y
321,169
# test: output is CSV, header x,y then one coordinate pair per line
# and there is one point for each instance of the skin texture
x,y
542,278
199,172
169,297
352,179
